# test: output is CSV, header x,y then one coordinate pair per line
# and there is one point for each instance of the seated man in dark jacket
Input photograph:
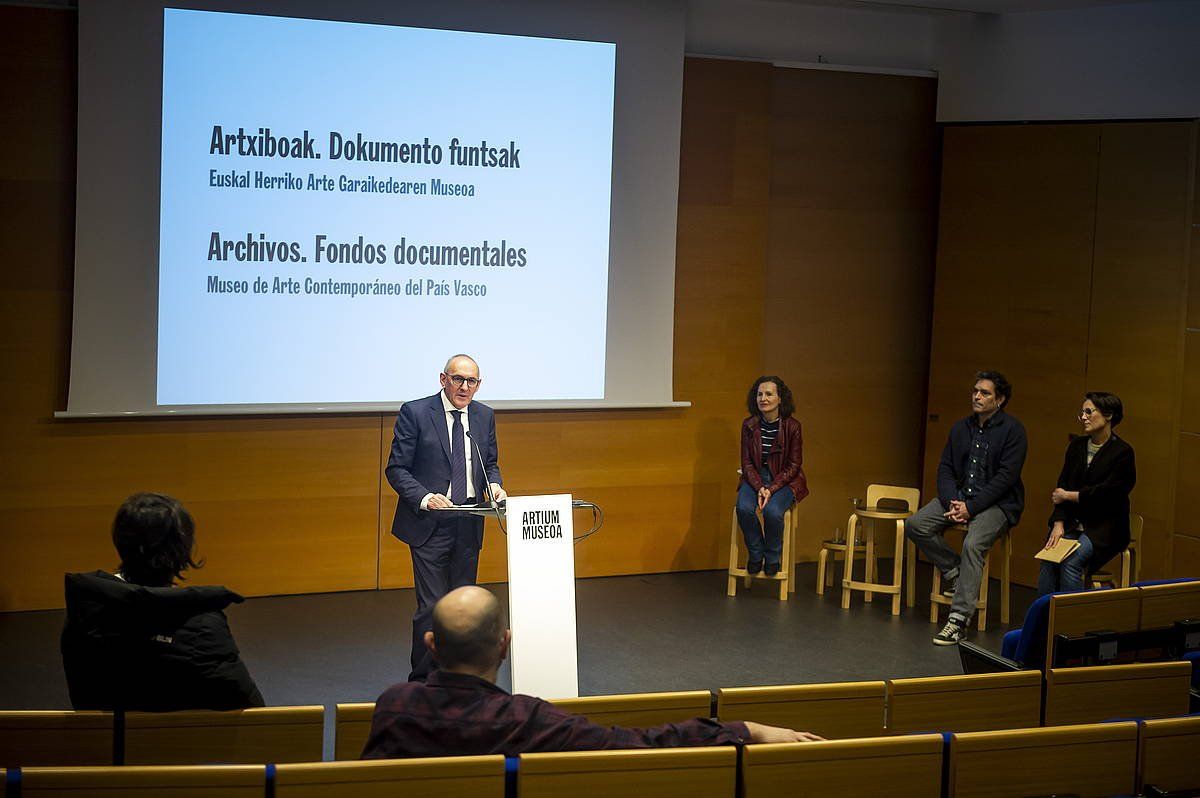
x,y
134,641
979,485
459,710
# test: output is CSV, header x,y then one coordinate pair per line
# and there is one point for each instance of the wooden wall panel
x,y
1185,554
1138,307
1013,275
1187,494
1185,538
849,279
665,478
281,505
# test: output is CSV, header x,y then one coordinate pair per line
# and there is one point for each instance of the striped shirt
x,y
770,430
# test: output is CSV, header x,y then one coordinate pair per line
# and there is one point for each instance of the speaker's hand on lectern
x,y
439,502
498,493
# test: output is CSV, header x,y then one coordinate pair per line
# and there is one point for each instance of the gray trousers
x,y
927,530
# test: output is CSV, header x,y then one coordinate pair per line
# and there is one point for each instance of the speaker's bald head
x,y
468,627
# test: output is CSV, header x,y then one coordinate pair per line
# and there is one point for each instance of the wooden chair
x,y
898,767
444,777
836,711
29,739
187,781
786,578
267,734
640,709
1078,613
831,548
1091,695
663,773
909,498
1089,761
936,599
978,702
1167,754
1130,555
351,728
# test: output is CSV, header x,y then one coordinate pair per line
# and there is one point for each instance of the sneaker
x,y
771,568
754,566
951,635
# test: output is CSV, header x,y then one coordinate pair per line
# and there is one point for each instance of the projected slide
x,y
343,205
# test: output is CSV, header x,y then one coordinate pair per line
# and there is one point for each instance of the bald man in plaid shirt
x,y
459,710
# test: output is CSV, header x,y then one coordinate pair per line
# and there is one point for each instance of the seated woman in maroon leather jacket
x,y
772,473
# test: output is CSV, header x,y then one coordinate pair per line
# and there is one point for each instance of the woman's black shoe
x,y
754,566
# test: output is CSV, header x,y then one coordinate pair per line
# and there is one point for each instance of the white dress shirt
x,y
448,409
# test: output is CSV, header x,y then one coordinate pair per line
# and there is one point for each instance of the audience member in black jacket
x,y
1091,502
134,641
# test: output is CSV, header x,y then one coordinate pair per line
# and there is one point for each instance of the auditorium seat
x,y
978,702
1091,695
1092,761
444,777
55,738
1170,618
1169,754
836,711
1075,615
640,709
662,773
351,728
266,734
188,781
899,767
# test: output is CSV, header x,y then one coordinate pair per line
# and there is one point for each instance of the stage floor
x,y
637,634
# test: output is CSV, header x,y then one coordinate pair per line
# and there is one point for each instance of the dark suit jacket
x,y
1104,486
786,458
420,462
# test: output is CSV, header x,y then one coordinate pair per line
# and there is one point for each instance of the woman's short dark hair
x,y
1003,386
786,405
155,537
1109,405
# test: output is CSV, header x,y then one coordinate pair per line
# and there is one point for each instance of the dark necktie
x,y
458,460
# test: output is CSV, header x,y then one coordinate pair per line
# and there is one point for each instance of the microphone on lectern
x,y
487,484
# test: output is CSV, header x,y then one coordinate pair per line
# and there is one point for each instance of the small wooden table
x,y
872,515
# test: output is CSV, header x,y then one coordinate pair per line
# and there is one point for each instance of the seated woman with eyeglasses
x,y
133,640
1091,502
772,473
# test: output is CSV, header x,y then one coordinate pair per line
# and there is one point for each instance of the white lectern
x,y
541,596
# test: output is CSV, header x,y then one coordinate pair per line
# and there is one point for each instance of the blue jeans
x,y
770,546
1070,574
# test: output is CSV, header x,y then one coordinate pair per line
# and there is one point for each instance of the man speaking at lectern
x,y
440,450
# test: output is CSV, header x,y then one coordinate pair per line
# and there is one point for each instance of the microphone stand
x,y
487,483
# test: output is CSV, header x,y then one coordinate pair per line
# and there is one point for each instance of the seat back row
x,y
1087,760
1135,621
967,703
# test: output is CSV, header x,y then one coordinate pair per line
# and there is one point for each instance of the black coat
x,y
155,649
1104,486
